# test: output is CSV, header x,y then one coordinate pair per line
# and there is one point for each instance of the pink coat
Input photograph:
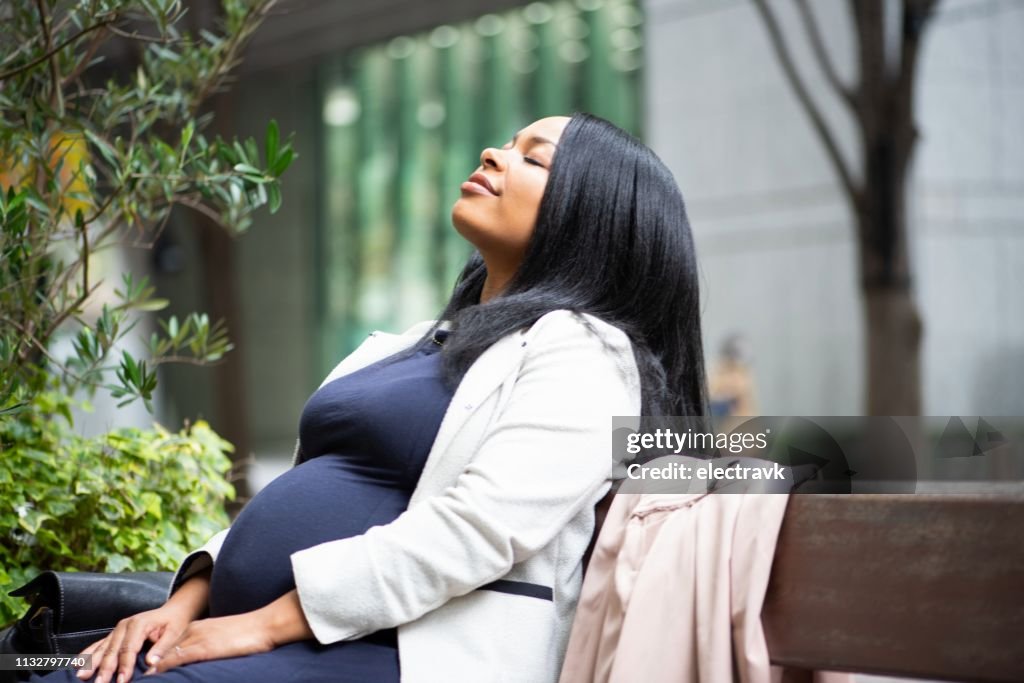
x,y
674,590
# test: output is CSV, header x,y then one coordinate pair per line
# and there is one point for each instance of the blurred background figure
x,y
730,381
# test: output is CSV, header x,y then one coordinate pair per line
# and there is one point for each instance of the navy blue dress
x,y
365,438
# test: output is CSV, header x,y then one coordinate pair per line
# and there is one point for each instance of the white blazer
x,y
482,573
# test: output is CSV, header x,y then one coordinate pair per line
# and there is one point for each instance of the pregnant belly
x,y
320,500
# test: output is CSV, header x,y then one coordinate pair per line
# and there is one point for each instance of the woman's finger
x,y
97,659
184,651
85,673
191,647
165,642
134,637
108,663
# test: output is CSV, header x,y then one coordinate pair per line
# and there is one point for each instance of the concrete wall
x,y
774,233
969,211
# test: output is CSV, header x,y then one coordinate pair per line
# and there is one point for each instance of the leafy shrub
x,y
127,500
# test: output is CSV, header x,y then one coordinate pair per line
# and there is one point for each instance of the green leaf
x,y
274,196
105,150
152,305
281,164
272,138
33,200
33,519
131,368
248,169
253,153
170,157
186,136
152,503
118,563
15,201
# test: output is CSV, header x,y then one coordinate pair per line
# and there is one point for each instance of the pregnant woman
x,y
442,497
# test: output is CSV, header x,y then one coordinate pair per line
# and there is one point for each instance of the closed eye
x,y
533,161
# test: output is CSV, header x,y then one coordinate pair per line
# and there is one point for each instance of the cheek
x,y
524,205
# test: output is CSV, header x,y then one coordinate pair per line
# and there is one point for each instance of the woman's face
x,y
499,204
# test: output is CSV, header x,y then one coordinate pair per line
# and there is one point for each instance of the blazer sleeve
x,y
543,459
197,560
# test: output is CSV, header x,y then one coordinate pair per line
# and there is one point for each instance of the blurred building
x,y
775,236
393,100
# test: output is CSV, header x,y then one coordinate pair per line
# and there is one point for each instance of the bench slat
x,y
928,586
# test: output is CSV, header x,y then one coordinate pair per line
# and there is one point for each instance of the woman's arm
x,y
197,561
191,597
284,620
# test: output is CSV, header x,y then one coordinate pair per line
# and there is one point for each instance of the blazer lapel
x,y
485,376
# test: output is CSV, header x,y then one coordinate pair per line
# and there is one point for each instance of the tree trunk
x,y
892,324
882,103
893,330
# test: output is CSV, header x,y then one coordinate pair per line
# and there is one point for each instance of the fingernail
x,y
120,678
153,659
150,670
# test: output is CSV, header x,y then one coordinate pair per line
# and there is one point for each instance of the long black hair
x,y
612,239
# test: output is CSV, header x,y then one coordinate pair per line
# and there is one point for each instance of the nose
x,y
492,157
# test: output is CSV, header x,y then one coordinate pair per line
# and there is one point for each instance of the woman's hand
x,y
276,624
114,656
217,638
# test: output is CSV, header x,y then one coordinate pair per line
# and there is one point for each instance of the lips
x,y
481,180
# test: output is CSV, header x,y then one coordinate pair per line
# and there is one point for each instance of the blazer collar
x,y
485,376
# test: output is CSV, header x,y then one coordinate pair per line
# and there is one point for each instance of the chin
x,y
461,222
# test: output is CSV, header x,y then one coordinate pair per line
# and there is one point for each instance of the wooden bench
x,y
925,586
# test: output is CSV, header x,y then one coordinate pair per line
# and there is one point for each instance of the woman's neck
x,y
490,290
495,282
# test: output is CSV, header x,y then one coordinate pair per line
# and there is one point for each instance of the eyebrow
x,y
535,138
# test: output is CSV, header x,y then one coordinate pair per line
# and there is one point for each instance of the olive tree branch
x,y
52,53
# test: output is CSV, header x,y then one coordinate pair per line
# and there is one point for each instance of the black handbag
x,y
71,610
